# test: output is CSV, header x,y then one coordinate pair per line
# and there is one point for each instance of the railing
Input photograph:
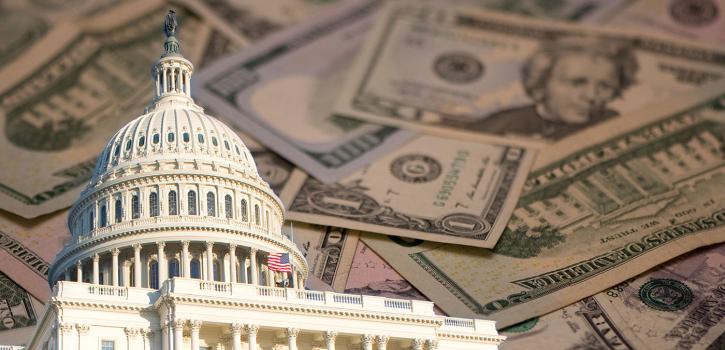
x,y
459,322
398,304
311,295
11,347
271,292
347,299
108,290
219,287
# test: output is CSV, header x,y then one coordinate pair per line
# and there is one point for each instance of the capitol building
x,y
170,250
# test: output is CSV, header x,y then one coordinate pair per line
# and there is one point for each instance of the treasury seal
x,y
416,168
665,294
458,67
695,13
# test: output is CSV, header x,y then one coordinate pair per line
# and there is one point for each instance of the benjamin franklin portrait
x,y
571,81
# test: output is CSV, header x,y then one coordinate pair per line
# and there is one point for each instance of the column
x,y
367,342
162,263
178,334
270,277
95,268
132,335
292,338
137,265
83,335
382,341
233,263
293,278
195,327
148,338
67,337
209,261
243,268
252,335
431,344
330,339
163,79
158,84
185,262
79,271
237,336
418,344
253,263
165,333
114,266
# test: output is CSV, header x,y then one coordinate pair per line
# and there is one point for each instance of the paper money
x,y
463,73
432,188
679,305
580,11
700,20
62,100
282,91
329,252
19,312
635,193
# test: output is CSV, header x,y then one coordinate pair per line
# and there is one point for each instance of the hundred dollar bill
x,y
432,188
282,90
18,312
464,73
679,305
635,193
700,20
63,99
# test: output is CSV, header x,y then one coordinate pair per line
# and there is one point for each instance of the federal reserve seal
x,y
665,294
696,13
416,168
458,67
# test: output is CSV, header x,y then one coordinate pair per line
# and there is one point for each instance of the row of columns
x,y
172,79
185,266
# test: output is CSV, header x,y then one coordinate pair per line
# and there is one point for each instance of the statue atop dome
x,y
170,24
171,45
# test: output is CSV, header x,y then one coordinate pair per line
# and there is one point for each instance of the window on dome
x,y
210,204
132,275
214,141
243,208
154,275
135,207
217,270
226,145
173,204
156,139
228,206
174,268
117,151
256,214
170,137
195,268
237,148
118,210
191,198
102,217
201,138
141,141
154,204
128,145
186,137
91,223
266,218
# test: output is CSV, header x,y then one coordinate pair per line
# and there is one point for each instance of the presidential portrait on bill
x,y
571,81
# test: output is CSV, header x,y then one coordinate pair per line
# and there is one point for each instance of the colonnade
x,y
212,262
172,79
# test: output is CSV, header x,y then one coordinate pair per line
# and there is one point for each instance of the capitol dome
x,y
175,192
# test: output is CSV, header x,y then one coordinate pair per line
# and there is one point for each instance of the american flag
x,y
279,262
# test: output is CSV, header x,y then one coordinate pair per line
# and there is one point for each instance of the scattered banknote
x,y
465,73
635,193
19,312
679,305
580,11
282,91
63,100
432,188
699,20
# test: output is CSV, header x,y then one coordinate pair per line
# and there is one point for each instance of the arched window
x,y
192,203
119,210
154,204
173,204
210,204
91,219
135,207
266,218
217,270
195,268
154,275
256,214
132,275
174,268
243,208
228,206
103,217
